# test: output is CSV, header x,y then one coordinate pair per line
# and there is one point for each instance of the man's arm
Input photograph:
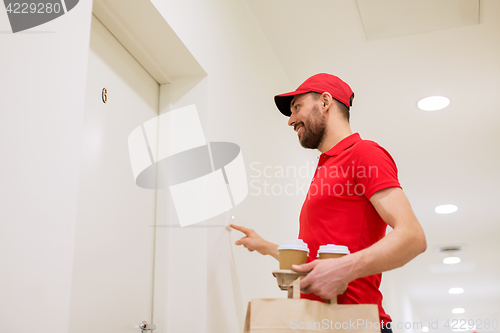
x,y
330,277
253,242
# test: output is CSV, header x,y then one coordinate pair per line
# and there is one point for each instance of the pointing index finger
x,y
240,228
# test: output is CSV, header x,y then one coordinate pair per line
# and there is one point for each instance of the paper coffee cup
x,y
292,253
332,251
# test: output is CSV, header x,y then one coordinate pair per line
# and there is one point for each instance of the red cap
x,y
319,83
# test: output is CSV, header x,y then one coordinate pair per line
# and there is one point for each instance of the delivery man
x,y
354,194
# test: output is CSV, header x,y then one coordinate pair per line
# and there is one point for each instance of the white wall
x,y
181,263
42,83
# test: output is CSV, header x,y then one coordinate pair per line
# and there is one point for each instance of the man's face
x,y
307,120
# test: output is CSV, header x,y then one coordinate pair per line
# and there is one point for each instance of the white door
x,y
112,286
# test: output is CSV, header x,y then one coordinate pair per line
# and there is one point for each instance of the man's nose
x,y
292,120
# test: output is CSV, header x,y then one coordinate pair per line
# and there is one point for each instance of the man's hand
x,y
327,278
253,242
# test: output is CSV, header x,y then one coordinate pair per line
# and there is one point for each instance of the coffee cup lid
x,y
332,248
297,244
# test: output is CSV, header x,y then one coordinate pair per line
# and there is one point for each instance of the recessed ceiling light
x,y
446,209
433,103
456,290
451,260
458,310
425,329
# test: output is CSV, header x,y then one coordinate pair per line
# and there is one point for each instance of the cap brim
x,y
283,101
283,104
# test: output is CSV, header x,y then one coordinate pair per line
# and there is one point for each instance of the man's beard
x,y
314,131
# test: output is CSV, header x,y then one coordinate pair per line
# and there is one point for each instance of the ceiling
x,y
448,156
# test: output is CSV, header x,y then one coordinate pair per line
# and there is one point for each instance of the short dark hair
x,y
344,110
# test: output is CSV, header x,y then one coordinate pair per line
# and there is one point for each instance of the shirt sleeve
x,y
375,168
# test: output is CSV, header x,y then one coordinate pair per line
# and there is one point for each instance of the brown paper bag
x,y
302,315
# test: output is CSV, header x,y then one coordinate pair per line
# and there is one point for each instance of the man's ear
x,y
326,100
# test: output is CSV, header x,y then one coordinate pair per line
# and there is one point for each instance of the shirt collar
x,y
343,144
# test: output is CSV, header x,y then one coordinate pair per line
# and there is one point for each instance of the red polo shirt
x,y
337,209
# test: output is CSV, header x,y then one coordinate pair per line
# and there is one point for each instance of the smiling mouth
x,y
299,128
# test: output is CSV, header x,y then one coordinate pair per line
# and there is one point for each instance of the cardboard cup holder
x,y
285,277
